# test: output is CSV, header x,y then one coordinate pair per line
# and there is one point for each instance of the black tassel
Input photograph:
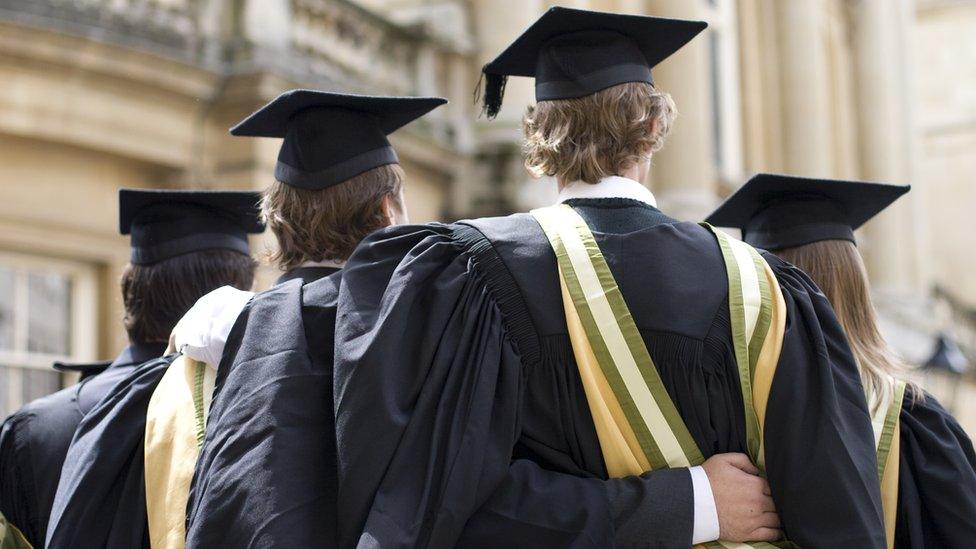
x,y
494,91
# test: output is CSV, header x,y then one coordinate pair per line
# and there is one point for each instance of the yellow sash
x,y
175,422
11,537
886,429
636,422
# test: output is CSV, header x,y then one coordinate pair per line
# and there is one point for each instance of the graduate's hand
x,y
742,499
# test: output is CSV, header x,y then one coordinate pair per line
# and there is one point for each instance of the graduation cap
x,y
165,224
331,137
574,53
86,369
782,211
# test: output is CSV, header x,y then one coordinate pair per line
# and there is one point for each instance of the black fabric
x,y
337,173
101,499
263,375
450,402
306,274
782,211
153,250
936,479
535,507
325,146
84,369
820,459
582,63
266,472
167,223
332,137
35,439
572,53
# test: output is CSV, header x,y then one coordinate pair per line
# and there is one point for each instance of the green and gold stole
x,y
11,537
637,423
175,424
886,422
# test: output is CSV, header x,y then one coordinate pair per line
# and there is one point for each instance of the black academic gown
x,y
101,498
453,360
936,479
35,439
266,472
258,482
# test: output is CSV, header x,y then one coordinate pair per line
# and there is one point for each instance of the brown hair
x,y
837,268
328,224
156,296
599,135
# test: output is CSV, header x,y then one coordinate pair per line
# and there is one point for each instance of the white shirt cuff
x,y
706,526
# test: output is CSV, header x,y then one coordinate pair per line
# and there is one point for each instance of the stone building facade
x,y
101,94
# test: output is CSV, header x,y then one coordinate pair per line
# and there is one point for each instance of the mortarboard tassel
x,y
494,92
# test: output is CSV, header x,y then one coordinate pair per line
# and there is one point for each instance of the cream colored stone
x,y
870,89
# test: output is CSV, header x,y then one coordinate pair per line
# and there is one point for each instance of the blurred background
x,y
101,94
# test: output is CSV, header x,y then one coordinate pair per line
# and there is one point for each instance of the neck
x,y
634,172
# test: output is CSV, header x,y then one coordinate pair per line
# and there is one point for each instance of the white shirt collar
x,y
613,186
327,263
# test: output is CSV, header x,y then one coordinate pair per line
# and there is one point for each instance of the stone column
x,y
459,111
499,22
804,85
683,172
267,22
885,131
499,161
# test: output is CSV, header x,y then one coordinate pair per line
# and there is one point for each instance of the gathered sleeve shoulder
x,y
426,386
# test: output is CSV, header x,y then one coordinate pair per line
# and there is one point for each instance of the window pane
x,y
6,308
37,383
48,303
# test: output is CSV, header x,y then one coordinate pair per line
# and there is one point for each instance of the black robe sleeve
x,y
533,507
101,500
426,391
428,378
266,472
936,479
820,451
17,502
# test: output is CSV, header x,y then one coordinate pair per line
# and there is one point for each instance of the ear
x,y
389,210
652,126
395,209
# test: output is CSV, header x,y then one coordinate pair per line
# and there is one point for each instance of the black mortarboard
x,y
574,53
331,137
86,369
165,223
782,211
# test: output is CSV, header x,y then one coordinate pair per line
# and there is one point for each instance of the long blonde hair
x,y
837,268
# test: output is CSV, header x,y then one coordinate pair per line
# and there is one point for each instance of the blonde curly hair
x,y
328,224
599,135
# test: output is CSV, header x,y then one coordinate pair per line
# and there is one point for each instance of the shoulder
x,y
323,292
922,411
94,389
42,425
932,440
518,227
48,409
